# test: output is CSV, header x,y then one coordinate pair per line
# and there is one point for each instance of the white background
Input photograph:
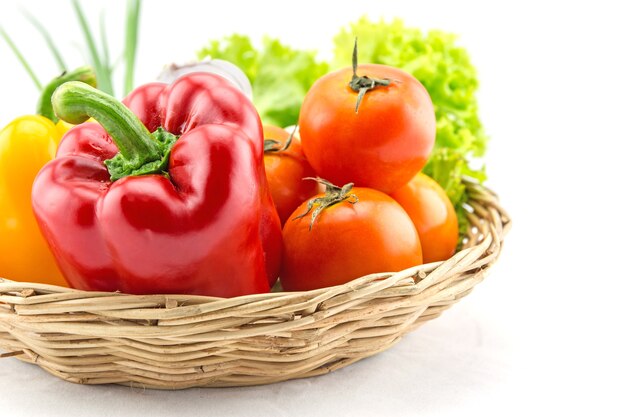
x,y
542,335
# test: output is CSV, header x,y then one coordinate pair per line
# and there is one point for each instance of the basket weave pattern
x,y
179,341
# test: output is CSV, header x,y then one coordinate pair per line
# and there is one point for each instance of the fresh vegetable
x,y
26,144
447,73
280,75
286,166
99,57
167,213
344,234
432,214
20,57
226,69
370,124
435,58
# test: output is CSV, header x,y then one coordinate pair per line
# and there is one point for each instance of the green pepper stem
x,y
44,106
75,102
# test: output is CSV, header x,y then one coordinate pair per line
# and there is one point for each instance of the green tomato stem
x,y
363,84
333,195
273,145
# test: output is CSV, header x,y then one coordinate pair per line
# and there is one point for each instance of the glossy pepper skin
x,y
26,145
203,223
200,98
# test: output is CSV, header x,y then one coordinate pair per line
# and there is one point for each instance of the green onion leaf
x,y
106,62
46,35
102,74
130,50
21,58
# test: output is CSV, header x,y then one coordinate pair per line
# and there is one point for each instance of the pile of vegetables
x,y
281,76
30,141
188,186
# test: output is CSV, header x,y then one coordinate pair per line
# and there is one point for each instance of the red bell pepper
x,y
185,209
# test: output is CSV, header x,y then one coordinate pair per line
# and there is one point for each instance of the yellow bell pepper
x,y
26,145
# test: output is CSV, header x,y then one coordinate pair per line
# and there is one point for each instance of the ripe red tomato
x,y
432,214
347,240
285,170
381,146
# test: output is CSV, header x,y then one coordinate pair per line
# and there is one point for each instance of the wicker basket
x,y
178,341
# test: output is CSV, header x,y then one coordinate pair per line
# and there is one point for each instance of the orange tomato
x,y
381,146
348,240
285,170
432,214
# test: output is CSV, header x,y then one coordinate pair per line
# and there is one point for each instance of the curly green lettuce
x,y
281,76
446,71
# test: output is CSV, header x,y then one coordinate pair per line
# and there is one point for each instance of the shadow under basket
x,y
181,341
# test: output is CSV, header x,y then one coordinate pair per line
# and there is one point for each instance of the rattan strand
x,y
179,341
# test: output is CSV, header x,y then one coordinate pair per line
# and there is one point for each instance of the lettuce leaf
x,y
446,71
281,76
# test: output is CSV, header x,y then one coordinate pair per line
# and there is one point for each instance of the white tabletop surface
x,y
542,335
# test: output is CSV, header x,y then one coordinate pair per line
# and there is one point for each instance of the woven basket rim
x,y
41,287
154,340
